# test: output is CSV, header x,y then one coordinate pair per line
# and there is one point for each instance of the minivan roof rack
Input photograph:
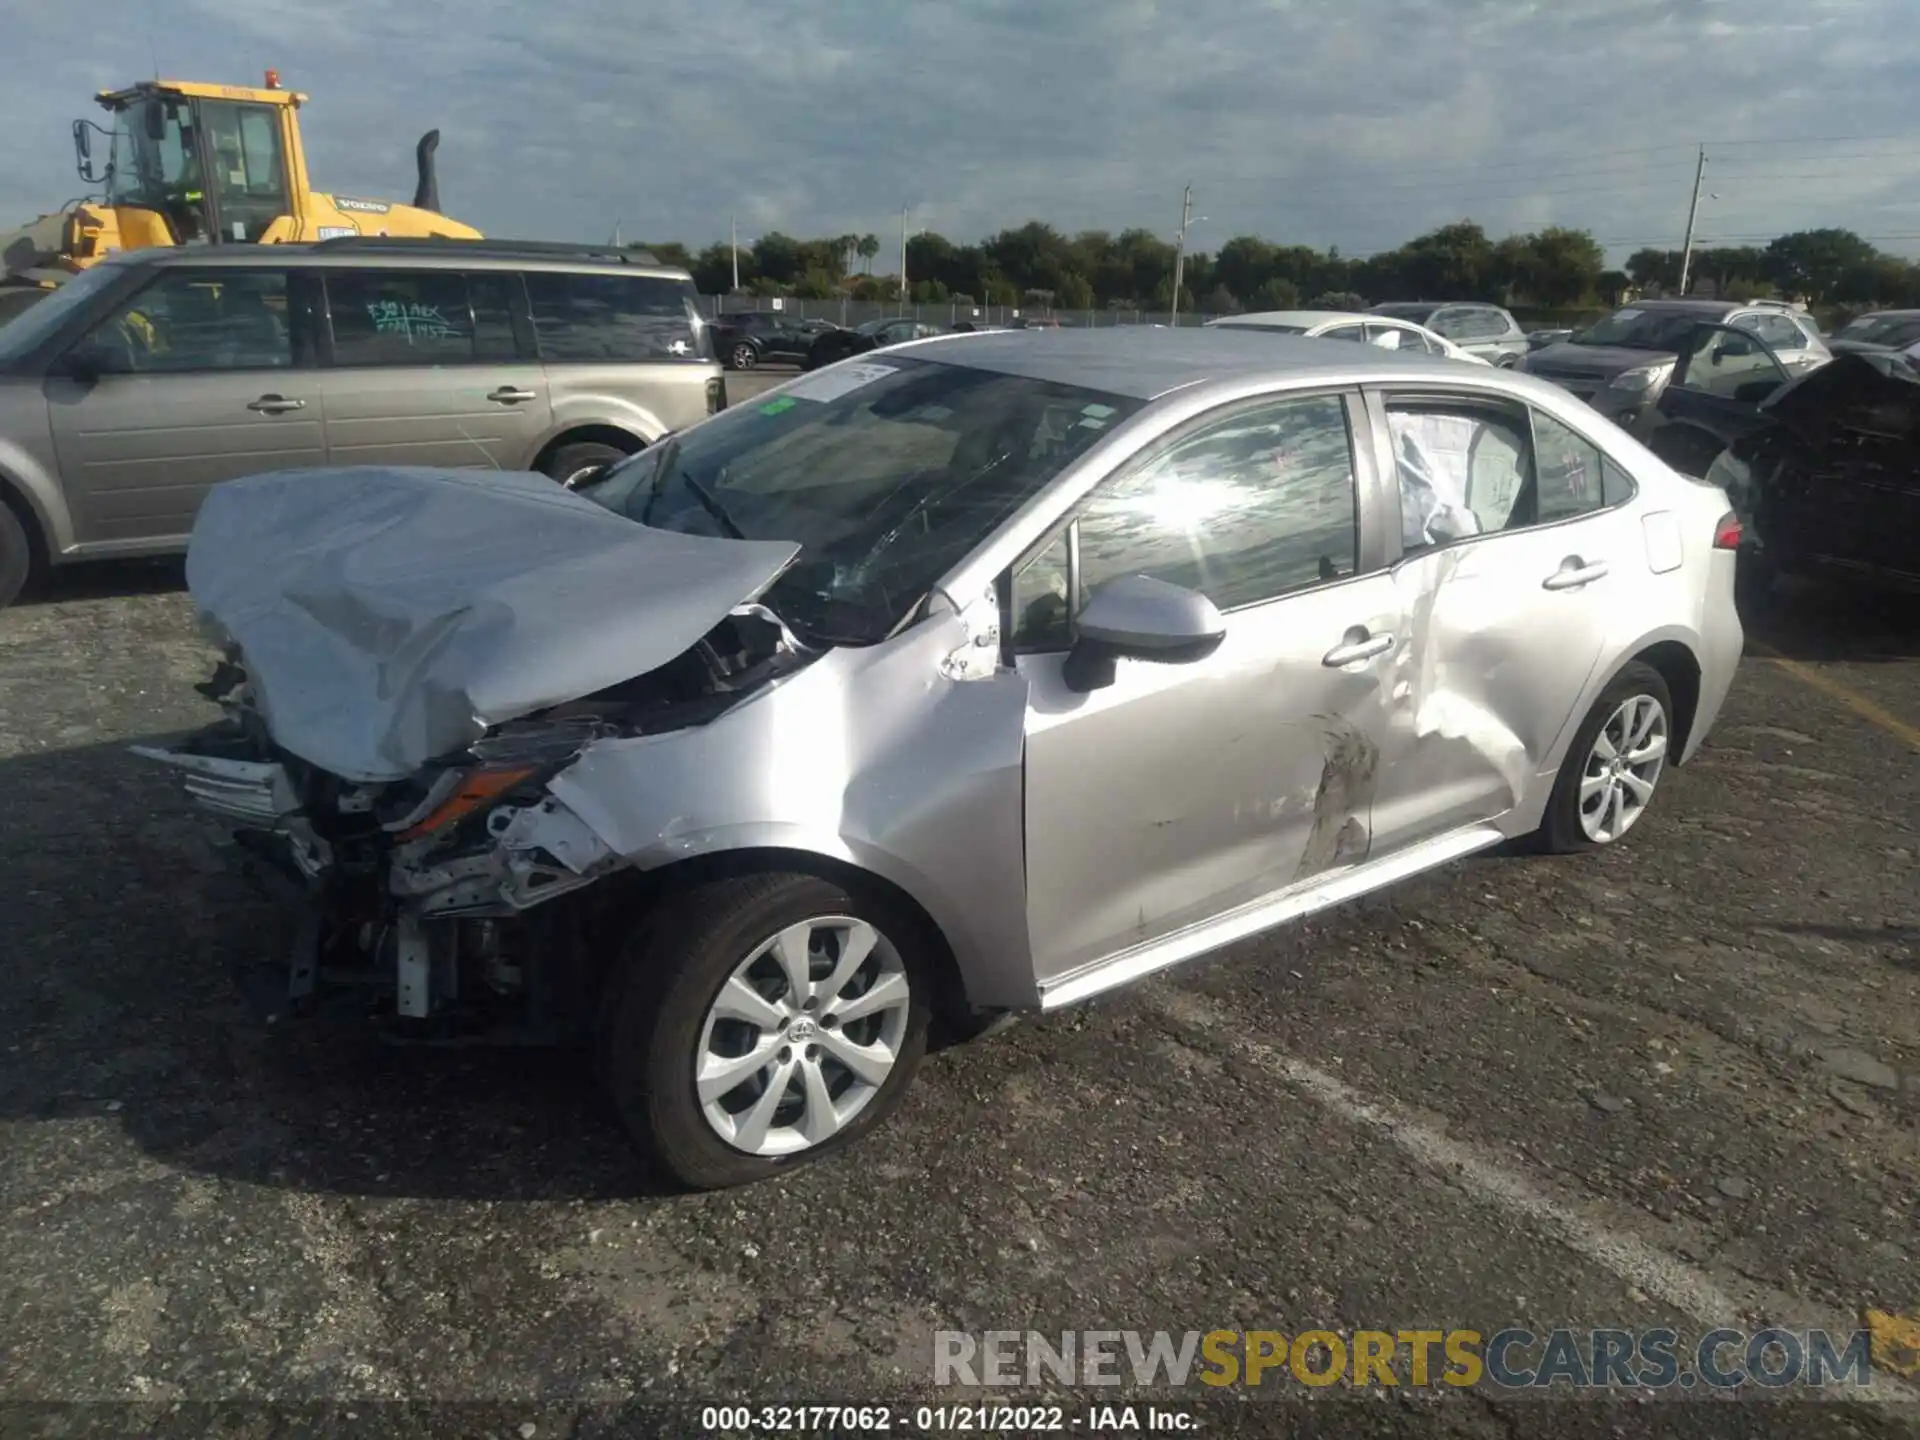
x,y
525,249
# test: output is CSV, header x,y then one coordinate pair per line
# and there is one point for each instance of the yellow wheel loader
x,y
190,164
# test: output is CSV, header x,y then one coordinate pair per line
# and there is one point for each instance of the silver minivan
x,y
137,386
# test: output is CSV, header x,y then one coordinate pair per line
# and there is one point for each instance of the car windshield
x,y
31,326
872,327
1251,325
1644,329
1895,330
886,475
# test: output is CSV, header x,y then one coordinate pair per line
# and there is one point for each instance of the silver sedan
x,y
985,674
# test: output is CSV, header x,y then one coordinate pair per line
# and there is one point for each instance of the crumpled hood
x,y
389,616
1870,392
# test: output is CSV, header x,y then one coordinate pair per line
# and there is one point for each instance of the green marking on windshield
x,y
776,407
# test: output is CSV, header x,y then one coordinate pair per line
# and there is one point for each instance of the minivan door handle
x,y
511,395
275,405
1575,572
1356,644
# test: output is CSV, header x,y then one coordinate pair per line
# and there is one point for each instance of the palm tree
x,y
868,247
848,246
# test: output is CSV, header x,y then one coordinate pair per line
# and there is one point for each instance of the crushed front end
x,y
427,902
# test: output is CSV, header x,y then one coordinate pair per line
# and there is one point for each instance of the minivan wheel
x,y
16,556
1613,766
570,462
744,357
760,1022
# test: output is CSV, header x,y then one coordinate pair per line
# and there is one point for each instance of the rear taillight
x,y
1727,534
716,394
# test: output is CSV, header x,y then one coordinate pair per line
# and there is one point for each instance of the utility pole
x,y
733,234
903,254
1693,215
1180,254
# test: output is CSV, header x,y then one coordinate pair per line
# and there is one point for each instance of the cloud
x,y
1358,125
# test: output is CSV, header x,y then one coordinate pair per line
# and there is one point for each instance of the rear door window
x,y
406,317
599,318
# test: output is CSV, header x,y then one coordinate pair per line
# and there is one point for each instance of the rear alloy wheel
x,y
762,1022
744,357
1614,765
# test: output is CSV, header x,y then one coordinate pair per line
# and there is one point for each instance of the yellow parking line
x,y
1834,690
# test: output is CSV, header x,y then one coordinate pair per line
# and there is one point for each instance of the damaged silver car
x,y
985,675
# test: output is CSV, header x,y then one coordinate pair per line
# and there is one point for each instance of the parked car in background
x,y
1384,331
1484,331
747,338
1878,329
1034,322
1621,364
1822,466
839,344
937,683
133,389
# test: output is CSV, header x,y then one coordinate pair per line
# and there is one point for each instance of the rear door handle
x,y
275,405
510,395
1575,572
1357,645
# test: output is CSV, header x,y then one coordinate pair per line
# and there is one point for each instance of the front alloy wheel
x,y
802,1036
745,357
761,1021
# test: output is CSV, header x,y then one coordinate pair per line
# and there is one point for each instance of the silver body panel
x,y
1066,842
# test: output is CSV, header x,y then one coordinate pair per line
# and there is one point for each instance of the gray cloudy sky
x,y
1351,122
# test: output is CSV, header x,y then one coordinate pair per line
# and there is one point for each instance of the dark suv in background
x,y
1621,365
748,338
1485,331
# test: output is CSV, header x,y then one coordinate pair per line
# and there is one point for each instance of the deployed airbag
x,y
389,616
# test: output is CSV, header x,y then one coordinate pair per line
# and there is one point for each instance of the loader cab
x,y
216,167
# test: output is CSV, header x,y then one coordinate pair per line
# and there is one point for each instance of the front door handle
x,y
1575,572
1358,644
510,395
275,405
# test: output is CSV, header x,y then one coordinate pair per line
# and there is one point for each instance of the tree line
x,y
1553,268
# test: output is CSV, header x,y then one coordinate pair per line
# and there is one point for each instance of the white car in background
x,y
1382,330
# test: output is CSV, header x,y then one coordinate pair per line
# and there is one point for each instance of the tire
x,y
1563,830
570,460
16,556
743,356
659,1022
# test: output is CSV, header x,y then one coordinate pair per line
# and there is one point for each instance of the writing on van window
x,y
415,321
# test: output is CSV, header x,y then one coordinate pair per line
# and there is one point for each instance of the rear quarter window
x,y
613,319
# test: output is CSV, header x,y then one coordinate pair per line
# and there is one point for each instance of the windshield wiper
x,y
669,462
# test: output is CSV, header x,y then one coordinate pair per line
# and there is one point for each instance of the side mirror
x,y
1139,618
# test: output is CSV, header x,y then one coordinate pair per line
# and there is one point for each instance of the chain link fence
x,y
947,314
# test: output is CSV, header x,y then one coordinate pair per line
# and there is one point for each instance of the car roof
x,y
1289,317
1144,362
269,257
1703,307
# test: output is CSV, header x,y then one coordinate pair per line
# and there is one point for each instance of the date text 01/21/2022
x,y
930,1419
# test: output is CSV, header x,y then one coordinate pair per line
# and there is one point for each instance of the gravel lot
x,y
1676,1083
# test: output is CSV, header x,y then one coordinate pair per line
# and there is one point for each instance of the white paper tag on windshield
x,y
837,380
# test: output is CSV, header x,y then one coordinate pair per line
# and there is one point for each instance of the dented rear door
x,y
1503,628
